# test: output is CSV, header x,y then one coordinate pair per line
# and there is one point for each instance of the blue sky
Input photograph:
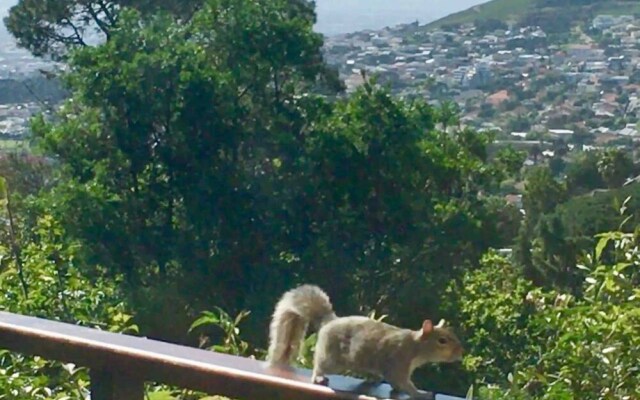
x,y
338,16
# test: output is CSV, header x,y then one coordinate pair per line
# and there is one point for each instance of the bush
x,y
495,317
47,283
525,343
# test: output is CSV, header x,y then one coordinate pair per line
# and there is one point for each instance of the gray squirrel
x,y
356,343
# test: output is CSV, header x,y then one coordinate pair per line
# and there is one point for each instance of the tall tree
x,y
511,160
615,166
169,141
53,27
448,114
542,194
583,174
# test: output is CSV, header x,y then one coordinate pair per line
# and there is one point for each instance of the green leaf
x,y
602,243
161,395
207,319
582,267
469,395
3,188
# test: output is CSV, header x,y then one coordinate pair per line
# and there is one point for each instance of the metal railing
x,y
120,364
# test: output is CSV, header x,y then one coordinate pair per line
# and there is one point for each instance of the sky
x,y
342,16
4,6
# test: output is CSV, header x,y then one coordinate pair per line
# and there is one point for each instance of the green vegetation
x,y
207,160
12,144
546,344
499,9
39,277
516,10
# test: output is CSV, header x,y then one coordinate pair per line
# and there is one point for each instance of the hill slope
x,y
514,10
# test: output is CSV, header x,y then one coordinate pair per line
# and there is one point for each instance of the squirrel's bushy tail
x,y
299,307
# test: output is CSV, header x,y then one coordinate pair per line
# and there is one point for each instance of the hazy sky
x,y
340,16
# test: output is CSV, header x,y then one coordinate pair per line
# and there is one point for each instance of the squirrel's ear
x,y
427,327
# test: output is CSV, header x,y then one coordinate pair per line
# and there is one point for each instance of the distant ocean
x,y
342,16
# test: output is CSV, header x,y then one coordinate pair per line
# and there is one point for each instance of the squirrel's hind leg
x,y
319,375
321,367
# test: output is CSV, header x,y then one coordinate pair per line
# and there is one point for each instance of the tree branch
x,y
16,249
105,9
101,24
78,36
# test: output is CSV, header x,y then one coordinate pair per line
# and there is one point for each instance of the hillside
x,y
515,10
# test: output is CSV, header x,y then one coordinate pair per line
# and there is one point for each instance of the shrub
x,y
525,343
47,283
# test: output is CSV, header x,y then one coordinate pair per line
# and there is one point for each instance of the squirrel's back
x,y
299,307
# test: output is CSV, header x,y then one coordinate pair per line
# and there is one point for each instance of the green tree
x,y
583,174
511,161
519,123
45,280
623,101
548,343
198,152
488,25
554,254
615,166
167,146
557,165
491,306
364,215
448,114
542,192
53,27
487,111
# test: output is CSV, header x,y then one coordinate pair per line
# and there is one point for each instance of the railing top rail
x,y
186,367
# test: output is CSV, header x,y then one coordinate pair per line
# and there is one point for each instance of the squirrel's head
x,y
438,343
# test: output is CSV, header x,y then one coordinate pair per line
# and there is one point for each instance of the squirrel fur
x,y
356,343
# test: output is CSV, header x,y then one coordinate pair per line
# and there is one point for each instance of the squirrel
x,y
356,343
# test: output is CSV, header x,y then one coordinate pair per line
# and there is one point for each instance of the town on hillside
x,y
24,91
537,93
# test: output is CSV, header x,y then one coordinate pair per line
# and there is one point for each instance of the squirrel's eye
x,y
442,340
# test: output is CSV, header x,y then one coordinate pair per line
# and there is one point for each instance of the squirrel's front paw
x,y
321,380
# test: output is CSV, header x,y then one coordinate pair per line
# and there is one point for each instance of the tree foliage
x,y
542,193
53,27
44,279
615,166
583,174
489,25
541,344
